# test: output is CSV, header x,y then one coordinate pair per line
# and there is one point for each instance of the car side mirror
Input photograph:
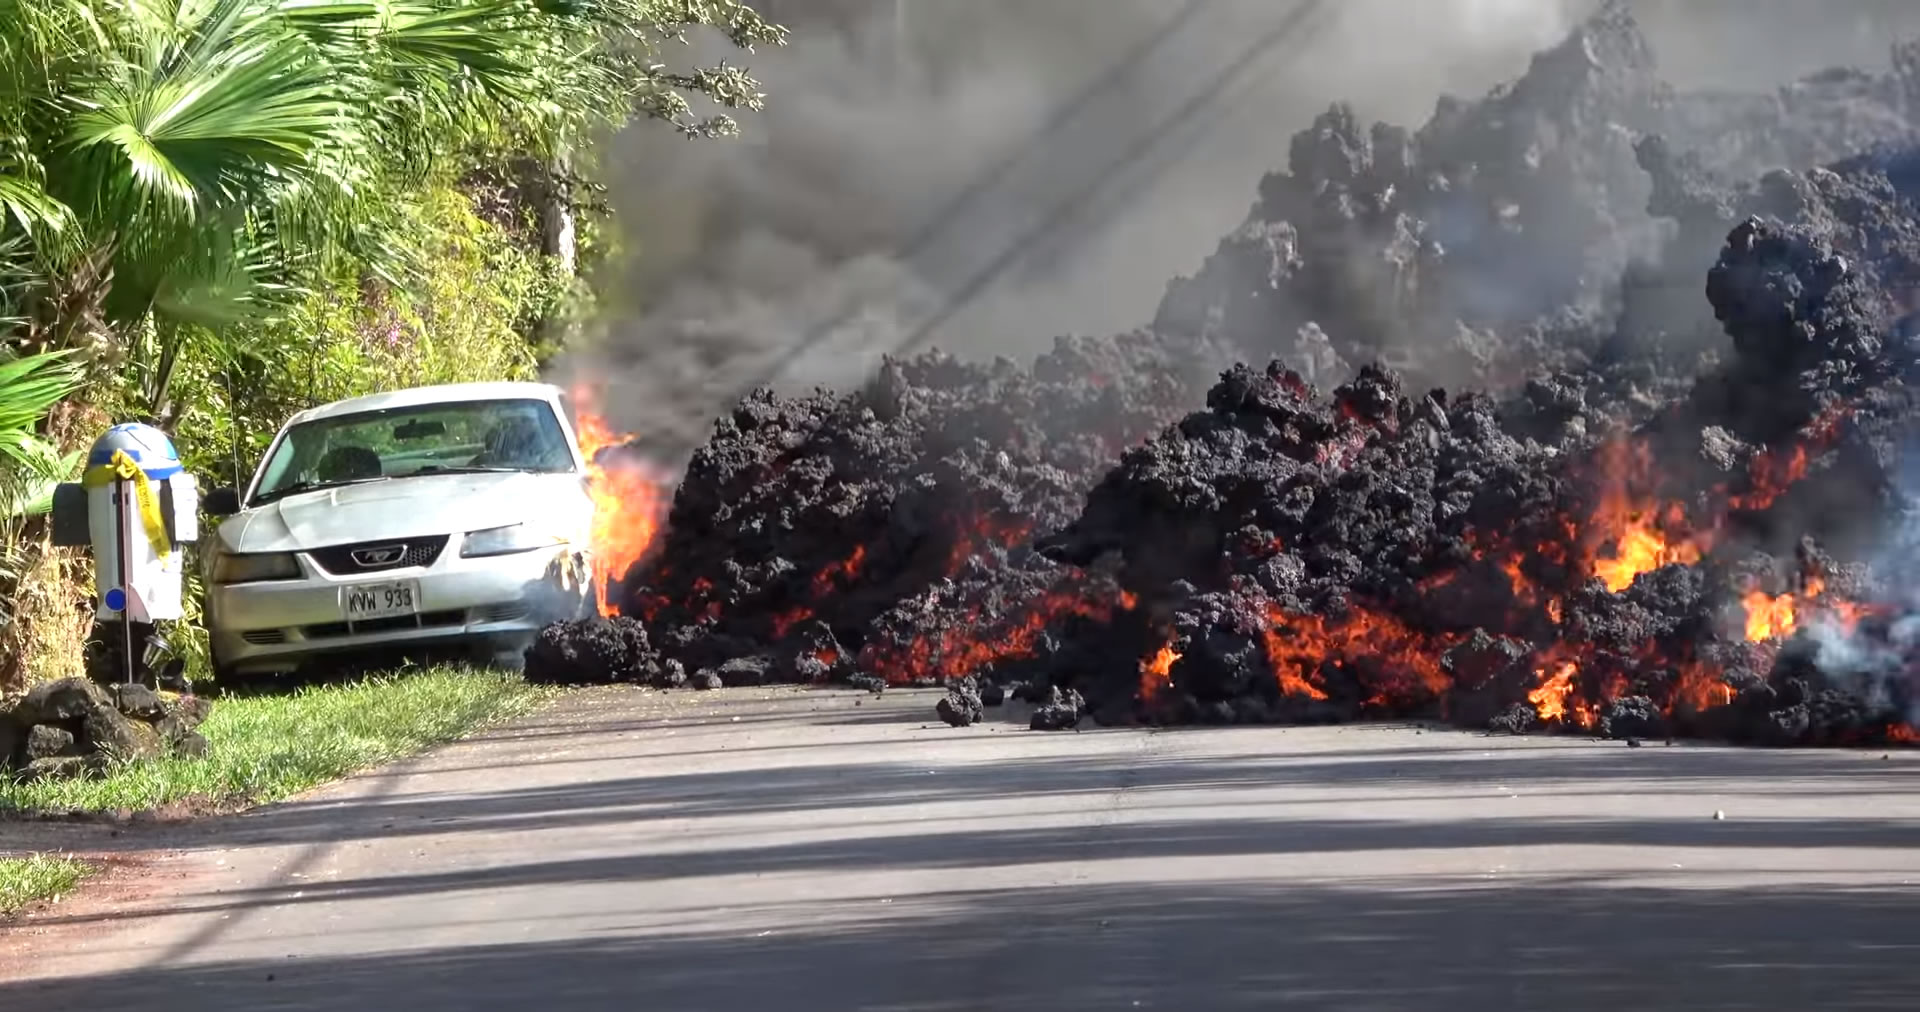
x,y
221,502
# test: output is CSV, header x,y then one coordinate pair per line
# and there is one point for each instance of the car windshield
x,y
468,436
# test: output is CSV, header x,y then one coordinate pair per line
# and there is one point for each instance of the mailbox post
x,y
134,507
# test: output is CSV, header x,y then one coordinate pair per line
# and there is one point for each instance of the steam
x,y
801,253
1878,660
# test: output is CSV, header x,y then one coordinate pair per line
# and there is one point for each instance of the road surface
x,y
792,850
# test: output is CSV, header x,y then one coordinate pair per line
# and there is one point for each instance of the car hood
x,y
410,507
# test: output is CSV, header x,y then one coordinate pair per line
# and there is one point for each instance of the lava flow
x,y
1156,673
1240,514
1630,533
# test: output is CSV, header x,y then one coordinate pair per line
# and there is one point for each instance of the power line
x,y
951,210
1070,208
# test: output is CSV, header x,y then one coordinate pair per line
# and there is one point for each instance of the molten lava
x,y
1550,699
1772,618
1769,618
629,501
1770,475
1641,534
1156,673
968,645
843,572
1400,665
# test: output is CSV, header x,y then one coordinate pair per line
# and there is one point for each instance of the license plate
x,y
381,600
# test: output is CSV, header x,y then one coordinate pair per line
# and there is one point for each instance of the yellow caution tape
x,y
124,468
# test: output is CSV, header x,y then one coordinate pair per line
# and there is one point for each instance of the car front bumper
x,y
278,625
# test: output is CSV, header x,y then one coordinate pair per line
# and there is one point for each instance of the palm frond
x,y
31,385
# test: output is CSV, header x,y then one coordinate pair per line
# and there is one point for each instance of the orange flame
x,y
1550,699
1297,645
1770,476
1634,523
628,502
784,622
1774,618
961,647
985,529
1701,688
844,570
1769,618
1156,673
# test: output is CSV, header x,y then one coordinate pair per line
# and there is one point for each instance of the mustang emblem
x,y
385,555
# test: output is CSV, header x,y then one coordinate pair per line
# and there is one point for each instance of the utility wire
x,y
1067,210
950,211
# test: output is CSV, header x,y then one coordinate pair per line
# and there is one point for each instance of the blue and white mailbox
x,y
134,506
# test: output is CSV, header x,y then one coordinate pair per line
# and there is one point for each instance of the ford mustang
x,y
448,516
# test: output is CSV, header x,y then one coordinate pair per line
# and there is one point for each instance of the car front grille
x,y
424,620
379,556
264,637
511,611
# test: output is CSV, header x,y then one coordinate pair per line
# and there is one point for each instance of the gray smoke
x,y
803,251
1878,660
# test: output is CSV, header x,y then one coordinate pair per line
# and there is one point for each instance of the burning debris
x,y
1638,532
1370,554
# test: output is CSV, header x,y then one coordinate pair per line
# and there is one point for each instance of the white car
x,y
439,516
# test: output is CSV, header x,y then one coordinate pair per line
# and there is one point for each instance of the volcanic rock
x,y
1632,718
847,513
961,706
672,676
56,702
1061,711
1578,547
136,700
1519,718
745,672
592,651
48,742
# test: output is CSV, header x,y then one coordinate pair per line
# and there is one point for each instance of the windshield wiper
x,y
468,469
310,486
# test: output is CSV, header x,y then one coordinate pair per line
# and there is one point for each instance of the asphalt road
x,y
790,850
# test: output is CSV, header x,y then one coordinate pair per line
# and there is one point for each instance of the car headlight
x,y
506,541
254,568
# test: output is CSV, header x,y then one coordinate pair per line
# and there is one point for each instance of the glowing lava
x,y
1400,665
1550,699
1769,618
1156,673
629,501
967,645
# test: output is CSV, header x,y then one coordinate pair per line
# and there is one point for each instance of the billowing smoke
x,y
1875,658
829,234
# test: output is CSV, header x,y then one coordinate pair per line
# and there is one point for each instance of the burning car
x,y
438,516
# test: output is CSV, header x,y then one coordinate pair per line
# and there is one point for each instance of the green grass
x,y
264,748
25,880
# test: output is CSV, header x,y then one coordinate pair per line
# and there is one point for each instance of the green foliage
x,y
231,155
29,465
265,748
37,877
230,210
463,320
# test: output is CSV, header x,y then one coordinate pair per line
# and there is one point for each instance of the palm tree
x,y
29,465
220,152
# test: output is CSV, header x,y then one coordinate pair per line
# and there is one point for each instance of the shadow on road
x,y
1059,949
